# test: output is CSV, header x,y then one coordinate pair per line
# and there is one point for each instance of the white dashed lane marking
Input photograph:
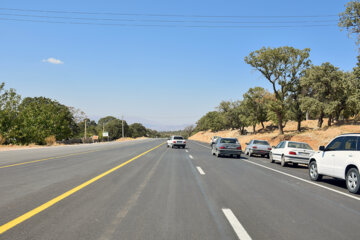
x,y
200,170
236,225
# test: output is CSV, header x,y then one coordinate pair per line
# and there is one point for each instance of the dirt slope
x,y
313,136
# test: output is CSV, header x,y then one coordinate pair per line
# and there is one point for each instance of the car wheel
x,y
267,156
167,145
283,163
295,164
218,154
172,146
313,172
352,180
271,158
250,154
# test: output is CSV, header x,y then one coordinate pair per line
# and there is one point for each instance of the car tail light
x,y
292,153
255,147
184,141
222,147
269,148
239,148
174,141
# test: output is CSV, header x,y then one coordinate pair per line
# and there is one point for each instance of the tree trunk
x,y
281,127
299,125
254,129
329,120
320,121
262,124
307,115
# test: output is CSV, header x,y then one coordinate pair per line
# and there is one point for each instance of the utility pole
x,y
85,130
122,126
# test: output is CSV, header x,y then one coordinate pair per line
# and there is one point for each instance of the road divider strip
x,y
304,180
200,170
31,213
240,231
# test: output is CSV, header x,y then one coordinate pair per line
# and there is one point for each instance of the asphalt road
x,y
143,190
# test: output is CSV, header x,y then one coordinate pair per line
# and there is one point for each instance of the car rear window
x,y
261,142
299,145
228,140
178,138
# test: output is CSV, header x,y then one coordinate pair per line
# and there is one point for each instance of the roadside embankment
x,y
311,135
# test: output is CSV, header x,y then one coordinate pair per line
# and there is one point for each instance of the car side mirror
x,y
322,148
273,147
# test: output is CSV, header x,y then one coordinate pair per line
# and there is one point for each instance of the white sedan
x,y
291,152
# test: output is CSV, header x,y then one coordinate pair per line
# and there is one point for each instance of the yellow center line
x,y
53,201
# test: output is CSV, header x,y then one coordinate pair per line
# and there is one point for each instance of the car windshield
x,y
178,138
228,140
261,142
299,145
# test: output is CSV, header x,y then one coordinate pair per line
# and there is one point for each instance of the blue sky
x,y
165,77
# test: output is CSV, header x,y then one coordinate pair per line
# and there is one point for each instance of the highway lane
x,y
170,194
275,206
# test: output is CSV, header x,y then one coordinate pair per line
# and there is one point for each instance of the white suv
x,y
339,159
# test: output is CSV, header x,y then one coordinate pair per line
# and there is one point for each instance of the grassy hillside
x,y
311,134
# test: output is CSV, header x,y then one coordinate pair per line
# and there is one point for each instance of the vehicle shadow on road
x,y
335,182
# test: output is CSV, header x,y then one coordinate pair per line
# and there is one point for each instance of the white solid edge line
x,y
236,225
304,180
200,170
190,156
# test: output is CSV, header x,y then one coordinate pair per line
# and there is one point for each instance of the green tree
x,y
213,121
324,87
9,103
255,103
188,131
282,67
350,19
137,130
41,117
113,125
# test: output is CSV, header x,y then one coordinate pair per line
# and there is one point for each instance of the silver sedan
x,y
226,147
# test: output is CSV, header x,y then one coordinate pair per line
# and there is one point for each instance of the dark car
x,y
226,147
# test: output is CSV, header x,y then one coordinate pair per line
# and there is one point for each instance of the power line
x,y
163,21
168,26
165,15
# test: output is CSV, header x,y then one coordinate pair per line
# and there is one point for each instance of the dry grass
x,y
51,140
129,139
2,139
313,136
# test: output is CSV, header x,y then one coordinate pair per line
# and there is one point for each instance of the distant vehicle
x,y
213,140
226,147
339,159
291,152
258,147
176,141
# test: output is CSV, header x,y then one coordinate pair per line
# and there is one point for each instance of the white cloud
x,y
53,61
